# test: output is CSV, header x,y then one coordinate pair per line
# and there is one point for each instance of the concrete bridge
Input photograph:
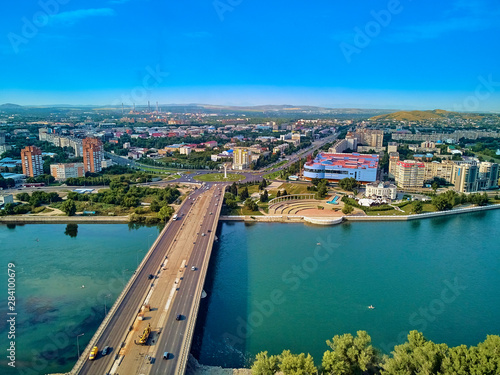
x,y
164,293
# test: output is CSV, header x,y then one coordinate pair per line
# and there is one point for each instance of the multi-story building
x,y
392,147
63,171
488,176
350,142
335,167
444,170
93,155
242,158
370,137
465,177
185,150
280,148
393,159
31,157
381,189
409,174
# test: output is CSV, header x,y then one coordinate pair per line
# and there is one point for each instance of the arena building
x,y
335,167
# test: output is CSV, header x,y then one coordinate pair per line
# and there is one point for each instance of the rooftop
x,y
354,160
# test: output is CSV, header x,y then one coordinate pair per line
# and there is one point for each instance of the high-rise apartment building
x,y
410,174
63,171
242,158
31,157
93,155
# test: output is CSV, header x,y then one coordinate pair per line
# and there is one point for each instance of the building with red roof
x,y
335,167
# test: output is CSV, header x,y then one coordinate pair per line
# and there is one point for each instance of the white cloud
x,y
72,17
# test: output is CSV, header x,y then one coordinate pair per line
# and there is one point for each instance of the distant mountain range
x,y
10,106
437,114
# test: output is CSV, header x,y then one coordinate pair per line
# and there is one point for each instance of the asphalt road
x,y
174,332
127,310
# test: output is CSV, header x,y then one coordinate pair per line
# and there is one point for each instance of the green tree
x,y
155,206
418,207
347,209
441,203
296,364
251,205
165,213
348,184
234,189
265,364
264,197
23,197
350,355
244,193
417,356
69,207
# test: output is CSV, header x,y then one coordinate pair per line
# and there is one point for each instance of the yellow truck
x,y
93,353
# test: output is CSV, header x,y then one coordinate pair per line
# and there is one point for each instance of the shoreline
x,y
333,221
325,220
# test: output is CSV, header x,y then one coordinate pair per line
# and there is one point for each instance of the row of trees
x,y
450,199
353,355
122,194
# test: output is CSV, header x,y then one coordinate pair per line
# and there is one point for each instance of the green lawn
x,y
283,162
211,177
273,175
294,188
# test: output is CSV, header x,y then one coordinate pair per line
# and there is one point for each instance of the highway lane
x,y
174,333
127,310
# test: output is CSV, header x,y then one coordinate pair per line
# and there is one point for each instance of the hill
x,y
437,114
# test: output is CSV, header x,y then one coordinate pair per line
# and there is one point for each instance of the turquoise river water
x,y
289,286
270,286
51,305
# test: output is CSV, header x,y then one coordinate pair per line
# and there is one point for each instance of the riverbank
x,y
194,368
28,219
336,220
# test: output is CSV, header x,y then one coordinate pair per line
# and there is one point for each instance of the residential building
x,y
379,189
393,159
335,167
93,155
31,157
280,148
62,171
465,177
392,147
242,158
4,199
185,150
444,170
409,174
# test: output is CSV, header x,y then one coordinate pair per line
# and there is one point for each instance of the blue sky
x,y
372,54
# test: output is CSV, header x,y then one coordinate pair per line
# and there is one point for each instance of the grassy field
x,y
293,189
243,211
219,177
272,176
283,162
428,207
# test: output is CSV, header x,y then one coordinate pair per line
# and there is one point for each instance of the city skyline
x,y
384,54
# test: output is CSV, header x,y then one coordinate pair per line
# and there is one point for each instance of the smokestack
x,y
134,107
149,107
122,109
